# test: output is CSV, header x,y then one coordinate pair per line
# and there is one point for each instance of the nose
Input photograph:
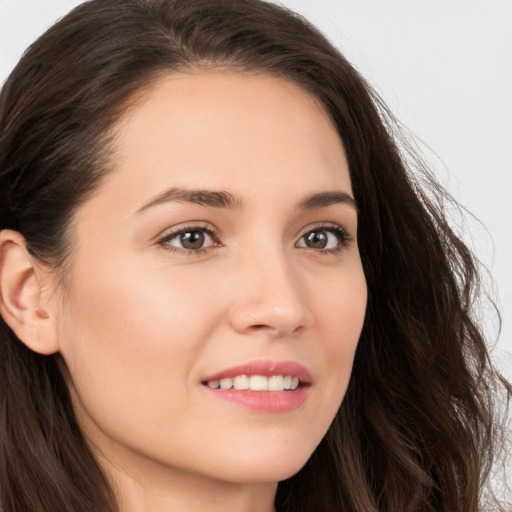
x,y
269,298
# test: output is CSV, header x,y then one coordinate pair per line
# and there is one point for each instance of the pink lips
x,y
264,401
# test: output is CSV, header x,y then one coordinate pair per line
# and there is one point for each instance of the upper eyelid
x,y
326,226
206,226
192,226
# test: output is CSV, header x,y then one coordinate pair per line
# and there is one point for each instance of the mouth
x,y
267,386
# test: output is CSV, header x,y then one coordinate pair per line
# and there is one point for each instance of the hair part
x,y
415,431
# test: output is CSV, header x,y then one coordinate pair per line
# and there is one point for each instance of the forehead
x,y
243,132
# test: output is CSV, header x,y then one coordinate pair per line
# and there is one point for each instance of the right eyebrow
x,y
212,198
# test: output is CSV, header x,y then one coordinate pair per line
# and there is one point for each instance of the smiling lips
x,y
265,386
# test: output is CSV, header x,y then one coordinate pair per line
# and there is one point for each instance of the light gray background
x,y
445,69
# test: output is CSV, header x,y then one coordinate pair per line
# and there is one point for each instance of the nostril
x,y
260,328
263,328
258,316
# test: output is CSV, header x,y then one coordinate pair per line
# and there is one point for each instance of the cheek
x,y
340,315
127,332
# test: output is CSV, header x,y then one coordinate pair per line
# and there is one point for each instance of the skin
x,y
141,323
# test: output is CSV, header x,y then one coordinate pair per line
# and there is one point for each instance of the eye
x,y
324,238
189,240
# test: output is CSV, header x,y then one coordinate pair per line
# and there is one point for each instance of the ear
x,y
22,295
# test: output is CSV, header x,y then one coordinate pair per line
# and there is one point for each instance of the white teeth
x,y
241,382
226,383
276,383
256,383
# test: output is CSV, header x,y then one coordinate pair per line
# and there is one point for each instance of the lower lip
x,y
264,401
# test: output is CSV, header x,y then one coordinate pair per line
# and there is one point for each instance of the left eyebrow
x,y
324,199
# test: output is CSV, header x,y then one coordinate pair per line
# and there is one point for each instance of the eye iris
x,y
316,239
192,239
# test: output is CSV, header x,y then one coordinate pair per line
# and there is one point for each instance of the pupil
x,y
192,240
317,239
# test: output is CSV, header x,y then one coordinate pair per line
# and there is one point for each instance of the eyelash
x,y
164,241
344,238
341,234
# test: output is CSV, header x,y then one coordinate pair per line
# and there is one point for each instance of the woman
x,y
221,286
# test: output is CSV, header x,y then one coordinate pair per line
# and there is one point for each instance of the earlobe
x,y
21,296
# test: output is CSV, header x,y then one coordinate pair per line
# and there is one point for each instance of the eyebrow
x,y
224,199
324,199
211,198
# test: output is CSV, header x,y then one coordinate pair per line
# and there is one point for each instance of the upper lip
x,y
264,368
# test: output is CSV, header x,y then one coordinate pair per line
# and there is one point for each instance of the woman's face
x,y
220,251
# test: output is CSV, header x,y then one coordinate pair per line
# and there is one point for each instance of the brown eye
x,y
324,239
316,239
192,239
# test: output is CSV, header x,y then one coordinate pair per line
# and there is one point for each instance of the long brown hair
x,y
416,430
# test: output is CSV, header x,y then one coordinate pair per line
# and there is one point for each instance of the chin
x,y
264,467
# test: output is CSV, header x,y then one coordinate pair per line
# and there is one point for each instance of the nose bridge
x,y
268,296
